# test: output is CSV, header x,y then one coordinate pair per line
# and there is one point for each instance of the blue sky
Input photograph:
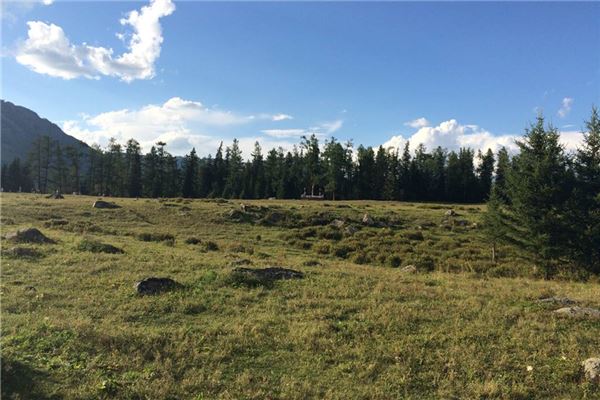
x,y
441,73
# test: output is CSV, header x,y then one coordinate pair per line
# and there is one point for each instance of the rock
x,y
591,370
578,312
155,285
564,301
55,195
104,204
450,213
350,230
273,273
409,269
31,235
367,220
338,223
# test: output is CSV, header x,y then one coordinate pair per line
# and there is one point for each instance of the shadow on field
x,y
20,381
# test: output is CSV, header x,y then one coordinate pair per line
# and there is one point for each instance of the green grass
x,y
355,327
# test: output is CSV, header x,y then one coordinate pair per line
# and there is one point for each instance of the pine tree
x,y
502,168
233,183
485,172
190,175
538,187
586,201
133,164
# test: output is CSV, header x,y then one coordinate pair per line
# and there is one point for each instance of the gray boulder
x,y
155,285
104,204
30,235
578,312
564,301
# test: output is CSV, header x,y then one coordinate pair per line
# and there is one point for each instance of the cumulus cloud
x,y
49,51
417,123
180,123
565,107
452,135
170,121
281,117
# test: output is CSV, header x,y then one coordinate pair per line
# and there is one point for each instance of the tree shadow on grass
x,y
21,381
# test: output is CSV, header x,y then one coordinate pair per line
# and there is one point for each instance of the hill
x,y
20,126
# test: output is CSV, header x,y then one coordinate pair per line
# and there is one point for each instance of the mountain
x,y
20,126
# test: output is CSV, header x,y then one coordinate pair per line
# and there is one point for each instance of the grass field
x,y
356,326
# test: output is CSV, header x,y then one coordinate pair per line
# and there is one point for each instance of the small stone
x,y
104,204
450,213
578,312
565,301
409,269
591,370
338,223
350,230
367,220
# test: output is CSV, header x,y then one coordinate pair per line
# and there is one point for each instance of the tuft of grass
x,y
96,246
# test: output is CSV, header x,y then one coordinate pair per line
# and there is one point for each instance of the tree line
x,y
333,169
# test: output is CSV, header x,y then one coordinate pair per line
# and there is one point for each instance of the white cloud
x,y
321,130
180,123
47,2
49,51
281,117
172,121
565,107
452,135
417,123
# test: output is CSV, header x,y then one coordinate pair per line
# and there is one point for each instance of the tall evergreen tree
x,y
190,175
586,199
485,173
539,186
502,168
133,164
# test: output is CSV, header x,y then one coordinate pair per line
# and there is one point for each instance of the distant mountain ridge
x,y
20,126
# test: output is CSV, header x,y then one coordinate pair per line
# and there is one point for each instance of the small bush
x,y
330,233
241,279
157,237
425,263
361,258
311,263
95,246
342,251
323,248
394,261
415,235
193,240
211,246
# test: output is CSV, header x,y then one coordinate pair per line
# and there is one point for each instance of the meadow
x,y
361,324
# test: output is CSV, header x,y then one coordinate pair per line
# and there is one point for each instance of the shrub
x,y
414,235
342,251
211,246
323,248
361,258
426,263
193,240
241,279
330,233
95,246
311,263
394,261
157,237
